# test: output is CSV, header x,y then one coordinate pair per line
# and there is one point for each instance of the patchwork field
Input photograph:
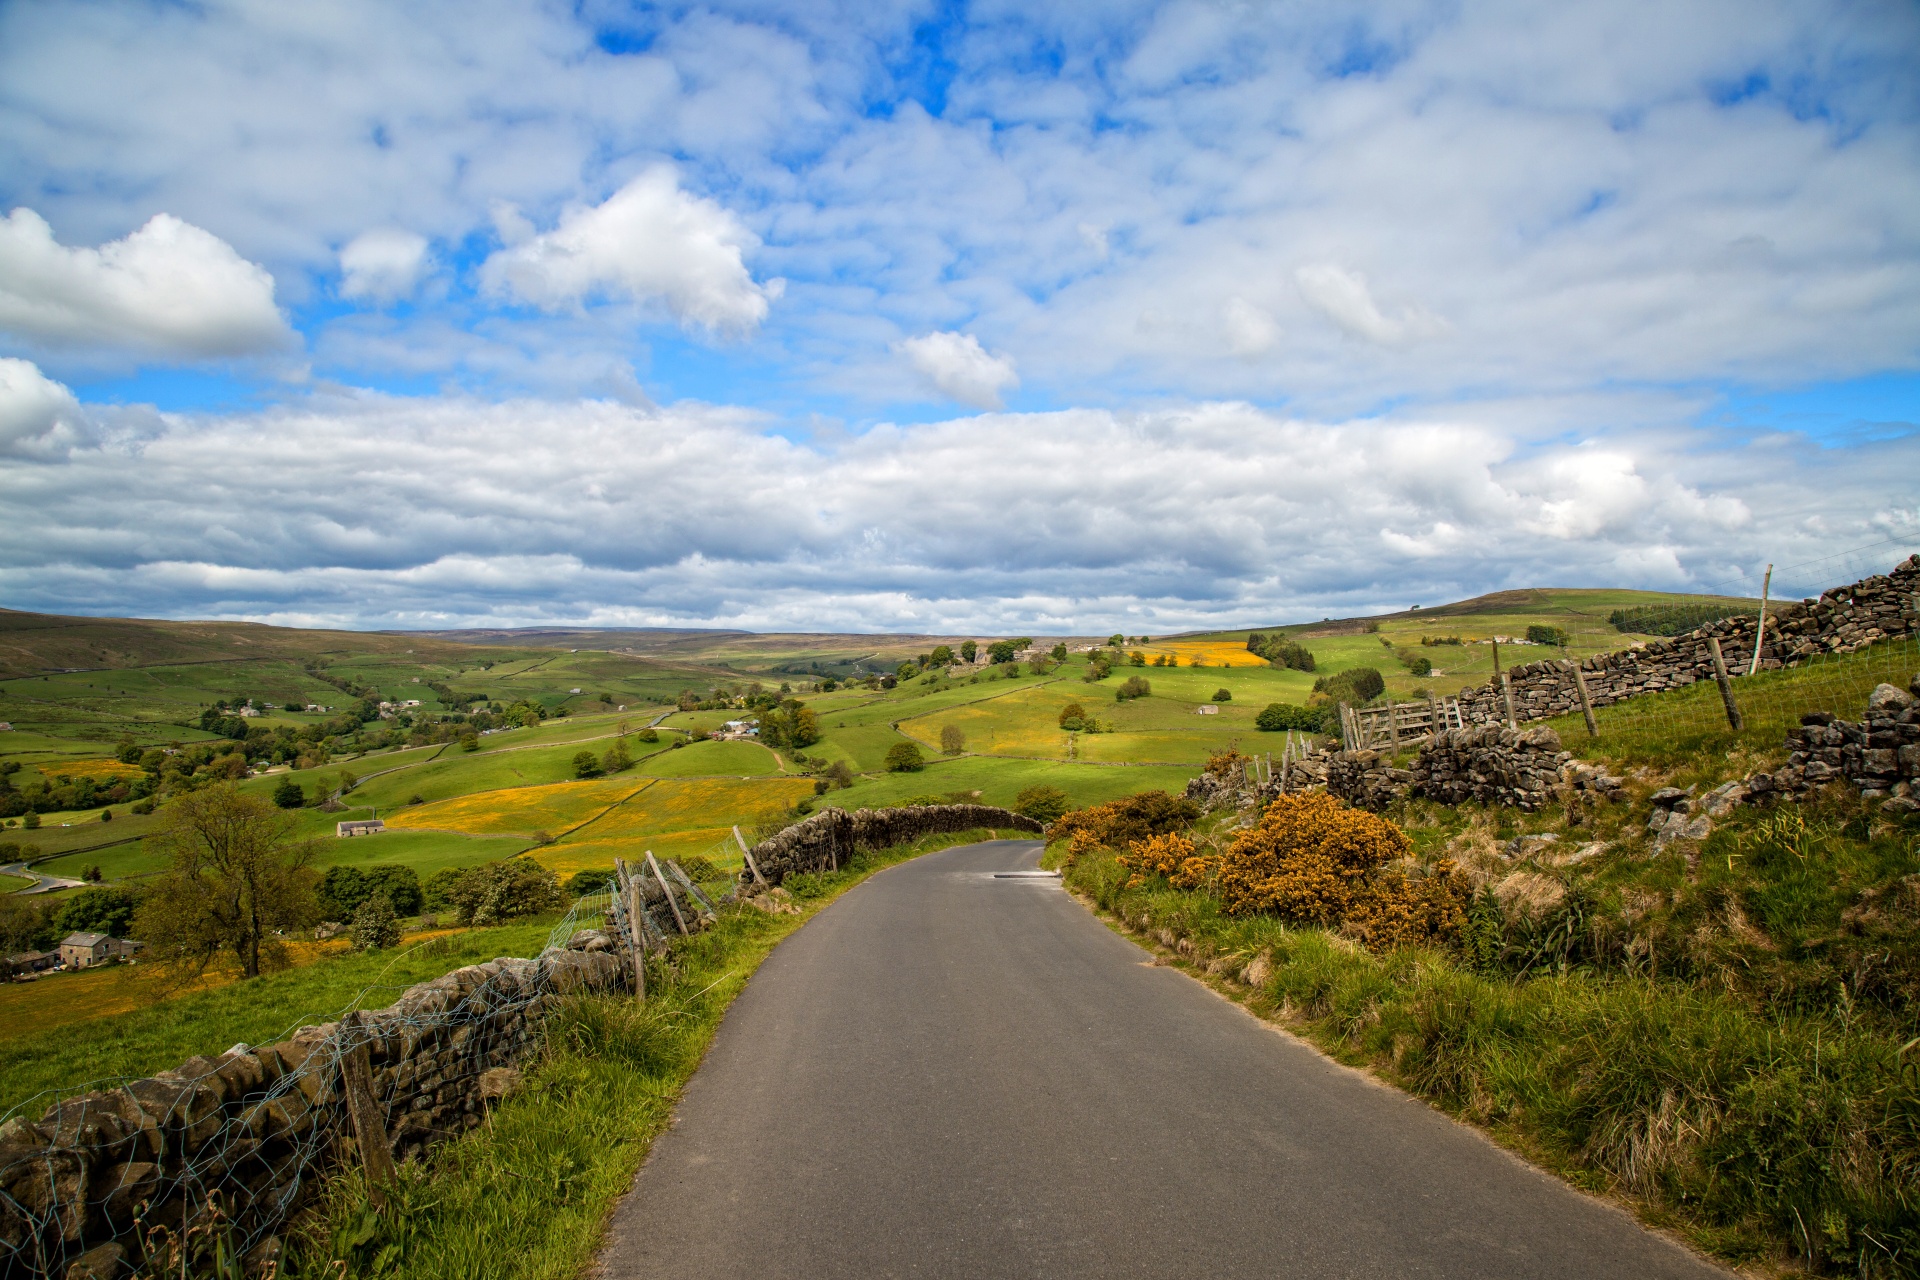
x,y
554,808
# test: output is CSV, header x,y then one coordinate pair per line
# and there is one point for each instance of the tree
x,y
952,741
289,794
344,889
1003,650
905,757
586,765
791,724
840,774
1041,803
375,926
1278,716
498,891
236,879
616,760
1133,687
1136,659
108,911
648,734
1073,716
1223,695
968,649
1539,633
582,883
942,656
1116,640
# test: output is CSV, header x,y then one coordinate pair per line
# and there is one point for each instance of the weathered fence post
x,y
1346,727
1506,691
666,889
369,1126
1726,685
636,936
1433,717
1586,703
693,890
1393,727
748,855
1760,630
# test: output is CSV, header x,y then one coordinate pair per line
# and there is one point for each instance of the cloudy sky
x,y
942,316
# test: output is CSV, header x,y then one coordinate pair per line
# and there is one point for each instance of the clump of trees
x,y
905,757
1040,802
1280,650
1356,685
1133,687
790,724
376,926
497,891
344,889
1540,633
1277,717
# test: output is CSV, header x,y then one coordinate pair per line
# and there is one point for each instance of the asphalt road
x,y
952,1074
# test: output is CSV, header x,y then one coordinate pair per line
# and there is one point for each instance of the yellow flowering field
x,y
98,770
569,856
676,804
554,808
1215,653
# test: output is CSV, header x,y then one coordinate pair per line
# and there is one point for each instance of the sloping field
x,y
98,770
519,810
698,759
1212,653
679,805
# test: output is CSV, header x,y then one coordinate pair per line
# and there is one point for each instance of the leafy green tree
x,y
1116,640
1276,717
375,925
1539,633
840,774
616,760
289,794
1133,687
968,649
1041,803
905,757
497,891
1072,716
648,734
581,884
942,656
1223,695
237,880
586,765
108,911
952,740
344,888
1136,659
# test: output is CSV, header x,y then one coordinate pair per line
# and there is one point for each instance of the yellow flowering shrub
x,y
1118,823
1316,860
1171,855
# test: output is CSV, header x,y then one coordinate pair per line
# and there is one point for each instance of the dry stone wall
x,y
257,1126
1878,753
1842,620
827,839
1492,764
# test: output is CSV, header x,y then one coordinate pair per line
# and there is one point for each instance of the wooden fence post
x,y
1393,728
1433,717
1346,727
1760,630
748,855
693,890
1726,685
1586,703
369,1126
1506,691
666,889
636,937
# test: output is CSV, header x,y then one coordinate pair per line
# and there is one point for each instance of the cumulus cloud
x,y
38,416
650,241
1343,297
169,288
380,512
382,265
959,368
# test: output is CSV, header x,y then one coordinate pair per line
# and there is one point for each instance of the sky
x,y
948,317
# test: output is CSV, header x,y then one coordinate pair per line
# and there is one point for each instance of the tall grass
x,y
1759,1135
526,1194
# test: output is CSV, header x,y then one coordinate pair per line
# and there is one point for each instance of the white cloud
x,y
649,241
955,365
373,511
37,415
1343,297
382,265
1251,330
168,288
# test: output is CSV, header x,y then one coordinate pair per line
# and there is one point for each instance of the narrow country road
x,y
949,1073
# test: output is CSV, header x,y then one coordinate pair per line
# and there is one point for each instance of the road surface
x,y
42,883
954,1073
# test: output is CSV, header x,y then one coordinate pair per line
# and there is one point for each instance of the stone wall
x,y
1878,753
1492,764
830,837
1839,621
259,1126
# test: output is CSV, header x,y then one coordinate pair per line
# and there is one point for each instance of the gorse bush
x,y
1119,823
1314,860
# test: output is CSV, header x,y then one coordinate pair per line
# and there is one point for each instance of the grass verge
x,y
528,1193
1777,1141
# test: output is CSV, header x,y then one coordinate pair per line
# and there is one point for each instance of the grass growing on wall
x,y
528,1193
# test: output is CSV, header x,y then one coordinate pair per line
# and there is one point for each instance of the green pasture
x,y
698,759
119,862
999,781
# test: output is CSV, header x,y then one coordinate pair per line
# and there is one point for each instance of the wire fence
x,y
219,1152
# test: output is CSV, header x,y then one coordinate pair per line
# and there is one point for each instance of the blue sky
x,y
947,316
